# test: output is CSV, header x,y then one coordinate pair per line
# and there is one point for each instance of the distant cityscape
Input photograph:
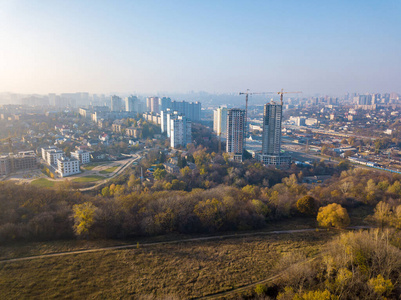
x,y
273,134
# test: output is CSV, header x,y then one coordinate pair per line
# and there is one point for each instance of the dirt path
x,y
208,238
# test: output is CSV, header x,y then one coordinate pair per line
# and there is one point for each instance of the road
x,y
118,172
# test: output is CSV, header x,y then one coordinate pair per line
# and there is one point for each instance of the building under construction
x,y
14,162
271,140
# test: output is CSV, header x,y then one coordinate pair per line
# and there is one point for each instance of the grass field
x,y
109,170
90,178
181,270
91,166
43,182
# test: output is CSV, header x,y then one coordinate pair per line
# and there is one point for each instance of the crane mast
x,y
247,93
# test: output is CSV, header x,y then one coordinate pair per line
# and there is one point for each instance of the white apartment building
x,y
220,122
82,156
44,151
51,154
180,131
67,166
163,121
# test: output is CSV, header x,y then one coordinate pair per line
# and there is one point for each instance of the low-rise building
x,y
45,149
53,155
171,168
67,166
15,162
134,132
24,160
82,156
117,126
5,165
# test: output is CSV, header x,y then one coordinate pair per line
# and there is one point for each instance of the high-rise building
x,y
52,99
235,133
116,104
180,131
364,100
271,138
191,110
196,111
220,122
163,119
164,103
131,104
152,104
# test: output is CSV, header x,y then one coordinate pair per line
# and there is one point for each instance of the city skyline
x,y
220,47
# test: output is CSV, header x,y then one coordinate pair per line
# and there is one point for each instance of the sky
x,y
329,47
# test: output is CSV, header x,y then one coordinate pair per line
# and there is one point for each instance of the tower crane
x,y
247,93
281,93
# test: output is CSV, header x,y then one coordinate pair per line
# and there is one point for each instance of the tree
x,y
185,172
395,188
210,213
382,213
396,219
106,192
260,289
307,205
260,207
333,215
159,174
316,295
181,162
381,286
84,217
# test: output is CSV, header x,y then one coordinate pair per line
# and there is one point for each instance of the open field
x,y
24,249
91,166
109,170
90,178
43,182
181,270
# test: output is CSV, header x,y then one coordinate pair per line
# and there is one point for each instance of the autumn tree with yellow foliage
x,y
333,215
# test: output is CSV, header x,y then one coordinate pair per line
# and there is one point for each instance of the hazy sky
x,y
214,46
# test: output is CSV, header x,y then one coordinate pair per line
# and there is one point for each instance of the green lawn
x,y
43,182
90,166
90,178
108,170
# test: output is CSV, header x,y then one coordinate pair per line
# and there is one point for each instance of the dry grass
x,y
182,270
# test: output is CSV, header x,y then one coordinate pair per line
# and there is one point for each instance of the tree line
x,y
128,208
